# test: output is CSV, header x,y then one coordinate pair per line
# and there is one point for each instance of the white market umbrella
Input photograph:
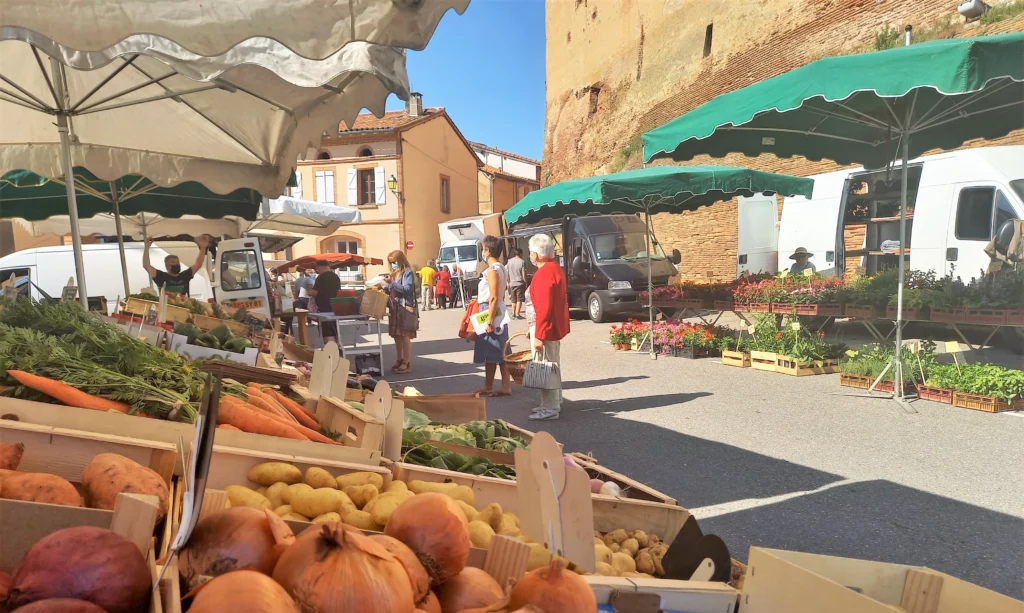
x,y
303,216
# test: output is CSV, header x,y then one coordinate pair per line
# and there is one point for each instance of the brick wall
x,y
583,139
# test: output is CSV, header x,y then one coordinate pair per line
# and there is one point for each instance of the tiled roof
x,y
491,170
514,156
391,120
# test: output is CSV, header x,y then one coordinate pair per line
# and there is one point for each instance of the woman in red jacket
x,y
550,321
443,286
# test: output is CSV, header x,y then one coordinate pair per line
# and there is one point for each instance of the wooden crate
x,y
230,466
634,489
724,305
935,394
795,582
858,381
144,428
763,360
954,316
689,596
207,323
357,429
989,404
1015,317
695,303
785,308
989,317
740,359
610,513
138,306
790,366
909,314
448,408
759,307
831,309
867,311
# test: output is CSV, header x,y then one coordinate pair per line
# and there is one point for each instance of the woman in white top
x,y
489,348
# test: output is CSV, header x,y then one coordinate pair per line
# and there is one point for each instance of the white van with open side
x,y
955,203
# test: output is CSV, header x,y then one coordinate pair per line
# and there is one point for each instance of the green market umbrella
x,y
32,197
657,189
867,109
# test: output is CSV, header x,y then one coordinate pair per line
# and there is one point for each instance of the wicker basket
x,y
517,361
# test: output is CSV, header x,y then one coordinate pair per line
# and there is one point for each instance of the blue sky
x,y
486,67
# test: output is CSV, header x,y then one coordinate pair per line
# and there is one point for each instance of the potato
x,y
110,474
623,562
274,492
508,526
39,487
241,496
454,490
269,473
360,478
616,536
467,510
10,455
290,491
381,507
641,538
314,503
598,541
318,477
480,534
652,540
630,546
396,486
359,519
327,517
645,562
605,570
361,494
539,556
602,553
492,515
283,510
658,553
294,517
262,491
614,547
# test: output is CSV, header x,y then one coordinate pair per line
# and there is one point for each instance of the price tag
x,y
751,328
783,274
952,347
795,325
915,347
808,272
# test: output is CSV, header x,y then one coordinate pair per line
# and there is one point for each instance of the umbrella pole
x,y
120,237
69,182
650,277
898,366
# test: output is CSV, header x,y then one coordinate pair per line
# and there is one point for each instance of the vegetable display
x,y
219,337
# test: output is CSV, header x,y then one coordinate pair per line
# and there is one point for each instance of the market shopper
x,y
175,279
443,287
802,261
489,348
550,310
456,286
403,318
302,286
516,283
324,288
427,274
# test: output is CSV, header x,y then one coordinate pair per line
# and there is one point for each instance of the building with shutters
x,y
406,172
504,178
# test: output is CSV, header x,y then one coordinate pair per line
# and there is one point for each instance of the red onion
x,y
61,605
234,539
242,590
86,563
435,528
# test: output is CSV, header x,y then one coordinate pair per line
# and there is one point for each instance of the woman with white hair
x,y
550,316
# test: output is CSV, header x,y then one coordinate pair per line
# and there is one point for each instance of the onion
x,y
243,590
417,574
470,589
611,488
5,584
334,568
435,528
430,604
62,605
596,485
234,539
86,563
553,589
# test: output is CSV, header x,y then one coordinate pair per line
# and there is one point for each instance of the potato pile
x,y
629,554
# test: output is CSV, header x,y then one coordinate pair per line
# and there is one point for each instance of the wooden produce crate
x,y
668,304
448,408
695,303
763,360
759,307
620,593
790,366
989,404
357,429
230,466
831,309
170,432
739,359
909,314
867,311
953,316
636,490
809,583
179,344
1015,317
724,305
858,381
990,317
207,323
935,394
785,308
138,306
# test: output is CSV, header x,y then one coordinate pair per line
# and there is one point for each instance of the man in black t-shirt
x,y
325,287
175,279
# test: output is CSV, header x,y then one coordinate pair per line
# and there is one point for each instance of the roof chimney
x,y
414,106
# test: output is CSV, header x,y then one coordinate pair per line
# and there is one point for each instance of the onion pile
x,y
470,589
417,574
87,563
435,528
243,590
552,589
334,568
234,539
61,605
430,604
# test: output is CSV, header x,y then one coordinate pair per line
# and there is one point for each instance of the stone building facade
x,y
617,68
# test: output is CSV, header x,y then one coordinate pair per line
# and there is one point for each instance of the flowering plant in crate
x,y
667,292
818,290
730,343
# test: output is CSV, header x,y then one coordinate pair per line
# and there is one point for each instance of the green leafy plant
x,y
1001,12
1007,384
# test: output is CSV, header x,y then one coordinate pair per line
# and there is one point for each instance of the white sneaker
x,y
545,414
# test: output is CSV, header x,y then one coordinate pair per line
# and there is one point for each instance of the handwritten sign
x,y
795,325
751,328
808,272
952,347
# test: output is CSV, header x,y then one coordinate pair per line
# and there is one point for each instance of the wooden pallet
x,y
790,366
739,359
763,360
989,404
935,394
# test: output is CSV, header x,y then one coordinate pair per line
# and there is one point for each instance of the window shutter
x,y
379,184
353,188
297,190
329,186
321,189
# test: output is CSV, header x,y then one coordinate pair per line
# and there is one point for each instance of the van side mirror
x,y
577,265
676,256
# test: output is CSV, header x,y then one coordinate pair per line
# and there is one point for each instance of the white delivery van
x,y
956,201
461,245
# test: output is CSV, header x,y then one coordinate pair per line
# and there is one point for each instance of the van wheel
x,y
595,308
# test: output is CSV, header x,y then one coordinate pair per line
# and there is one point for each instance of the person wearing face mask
x,y
175,279
548,312
324,288
404,315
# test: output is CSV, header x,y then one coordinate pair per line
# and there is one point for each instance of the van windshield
x,y
1018,187
624,246
465,253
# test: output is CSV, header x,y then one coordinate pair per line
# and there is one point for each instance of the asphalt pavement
x,y
776,461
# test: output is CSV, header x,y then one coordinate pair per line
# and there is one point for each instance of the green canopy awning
x,y
853,109
657,189
26,195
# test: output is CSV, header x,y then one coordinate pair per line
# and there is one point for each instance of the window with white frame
x,y
325,186
296,192
347,245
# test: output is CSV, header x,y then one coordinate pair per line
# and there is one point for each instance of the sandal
x,y
396,365
407,367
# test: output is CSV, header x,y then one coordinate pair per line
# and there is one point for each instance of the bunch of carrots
x,y
272,413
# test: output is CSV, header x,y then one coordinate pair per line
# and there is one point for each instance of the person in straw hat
x,y
802,261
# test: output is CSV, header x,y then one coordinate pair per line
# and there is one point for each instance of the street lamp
x,y
393,186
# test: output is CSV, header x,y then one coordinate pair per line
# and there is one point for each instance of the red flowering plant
x,y
667,292
817,290
762,290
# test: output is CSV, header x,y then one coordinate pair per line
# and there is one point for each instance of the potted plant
x,y
819,297
618,338
989,387
940,382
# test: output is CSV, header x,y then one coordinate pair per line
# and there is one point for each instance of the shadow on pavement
x,y
576,385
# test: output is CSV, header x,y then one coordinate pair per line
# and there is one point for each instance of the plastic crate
x,y
953,316
935,394
909,313
1015,317
759,307
786,308
724,305
989,404
830,309
996,317
861,310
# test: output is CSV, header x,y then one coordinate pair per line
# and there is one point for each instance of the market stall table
x,y
349,330
302,317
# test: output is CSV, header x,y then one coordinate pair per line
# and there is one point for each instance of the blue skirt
x,y
489,348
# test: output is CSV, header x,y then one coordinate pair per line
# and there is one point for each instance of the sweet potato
x,y
10,455
39,487
109,474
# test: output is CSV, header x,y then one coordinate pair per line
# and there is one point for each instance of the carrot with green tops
x,y
297,410
250,420
67,394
